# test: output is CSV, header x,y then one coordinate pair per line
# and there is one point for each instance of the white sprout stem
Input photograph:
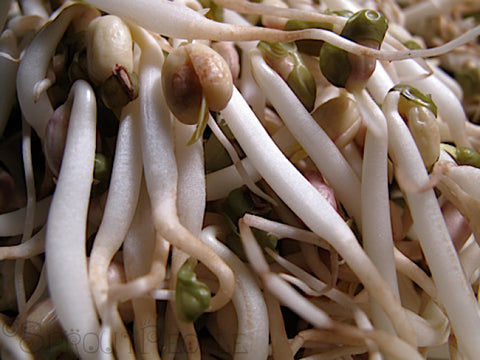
x,y
138,249
470,258
34,7
376,226
33,68
161,173
66,227
29,215
279,287
391,345
252,332
217,132
30,248
121,202
191,199
408,268
12,223
170,19
450,108
119,211
321,149
315,284
246,84
284,231
12,345
462,309
310,206
279,344
8,69
219,183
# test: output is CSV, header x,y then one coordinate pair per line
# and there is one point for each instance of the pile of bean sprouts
x,y
233,179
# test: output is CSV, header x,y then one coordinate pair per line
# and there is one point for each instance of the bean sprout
x,y
218,179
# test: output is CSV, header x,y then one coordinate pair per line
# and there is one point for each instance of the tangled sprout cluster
x,y
233,179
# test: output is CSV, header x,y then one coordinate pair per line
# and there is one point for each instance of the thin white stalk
x,y
279,344
376,226
279,287
34,65
29,215
391,345
320,287
285,231
34,7
121,201
252,332
12,223
429,225
161,172
191,197
66,228
30,248
408,268
8,69
12,345
119,211
236,161
191,208
138,249
321,149
310,206
170,19
221,182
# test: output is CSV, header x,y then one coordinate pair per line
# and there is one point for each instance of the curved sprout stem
x,y
28,249
221,182
138,249
169,19
310,206
29,215
289,297
433,234
237,162
161,173
326,156
12,345
33,68
252,331
12,223
376,225
66,226
191,208
119,211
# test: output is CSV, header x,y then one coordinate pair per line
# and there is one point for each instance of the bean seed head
x,y
109,45
193,72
